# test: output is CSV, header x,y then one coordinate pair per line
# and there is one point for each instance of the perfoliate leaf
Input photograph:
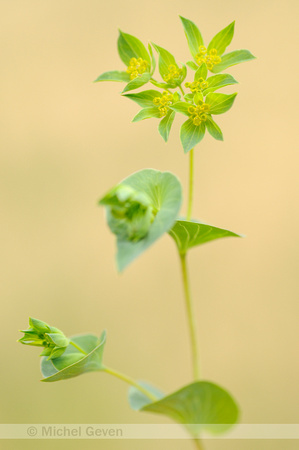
x,y
114,75
137,400
233,58
193,36
201,72
181,107
137,82
189,234
200,406
220,103
192,65
165,125
144,98
147,113
191,134
165,193
222,39
73,363
218,81
214,129
131,47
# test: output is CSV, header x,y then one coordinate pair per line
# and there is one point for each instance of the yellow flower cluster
x,y
164,101
199,113
210,58
198,85
136,67
173,73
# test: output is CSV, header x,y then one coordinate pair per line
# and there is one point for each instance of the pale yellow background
x,y
65,141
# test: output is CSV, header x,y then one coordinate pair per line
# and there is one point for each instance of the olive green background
x,y
65,141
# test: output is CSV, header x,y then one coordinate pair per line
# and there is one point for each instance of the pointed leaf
x,y
181,107
153,65
137,82
147,113
131,47
165,193
218,81
233,58
166,59
165,125
73,363
191,134
114,75
161,85
193,36
220,103
189,234
201,72
145,98
200,406
214,129
222,39
192,65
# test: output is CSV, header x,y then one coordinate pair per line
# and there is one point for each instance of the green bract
x,y
159,196
40,334
212,54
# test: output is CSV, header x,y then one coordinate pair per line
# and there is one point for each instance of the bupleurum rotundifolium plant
x,y
146,205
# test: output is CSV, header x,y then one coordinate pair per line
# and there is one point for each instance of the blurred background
x,y
65,141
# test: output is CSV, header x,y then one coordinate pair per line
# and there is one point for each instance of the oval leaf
x,y
214,129
220,103
191,134
114,75
193,36
218,81
145,98
131,47
200,406
165,125
222,39
147,113
233,58
137,82
74,363
165,193
188,234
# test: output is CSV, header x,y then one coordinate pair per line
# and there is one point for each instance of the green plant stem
x,y
198,444
130,381
191,318
78,348
191,171
182,90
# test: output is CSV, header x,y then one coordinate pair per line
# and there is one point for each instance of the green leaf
x,y
147,113
191,134
166,59
165,193
219,81
233,58
137,82
114,75
193,36
201,72
73,363
165,125
161,85
58,339
214,129
189,234
222,39
153,65
131,47
144,98
192,65
138,400
181,107
200,406
220,103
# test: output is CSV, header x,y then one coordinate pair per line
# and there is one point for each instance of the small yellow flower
x,y
210,59
136,67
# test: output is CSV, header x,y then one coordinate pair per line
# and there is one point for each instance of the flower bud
x,y
130,213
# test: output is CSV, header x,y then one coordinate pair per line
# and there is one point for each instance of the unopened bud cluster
x,y
163,103
209,58
136,67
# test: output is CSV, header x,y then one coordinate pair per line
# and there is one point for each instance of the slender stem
x,y
130,381
78,348
191,170
198,444
191,318
182,90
